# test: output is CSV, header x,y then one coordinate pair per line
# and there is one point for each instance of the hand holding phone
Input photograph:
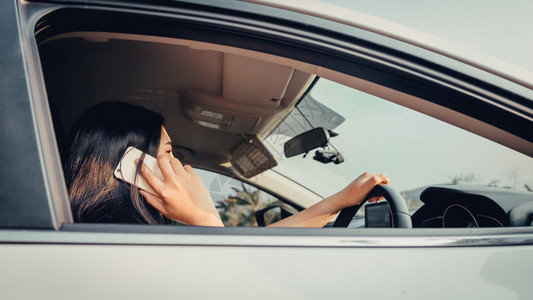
x,y
187,201
126,169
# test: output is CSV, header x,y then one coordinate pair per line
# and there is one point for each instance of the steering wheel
x,y
399,211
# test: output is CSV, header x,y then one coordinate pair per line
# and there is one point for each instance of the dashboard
x,y
472,207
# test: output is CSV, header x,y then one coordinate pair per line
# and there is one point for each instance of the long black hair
x,y
95,146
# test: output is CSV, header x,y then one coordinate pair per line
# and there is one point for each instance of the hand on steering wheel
x,y
399,211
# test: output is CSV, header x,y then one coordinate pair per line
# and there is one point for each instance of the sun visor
x,y
254,82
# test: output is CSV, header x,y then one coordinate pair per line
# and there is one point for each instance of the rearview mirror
x,y
306,141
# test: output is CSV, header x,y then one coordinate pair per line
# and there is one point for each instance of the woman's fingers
x,y
165,166
375,199
377,179
369,180
385,179
177,166
155,183
154,201
190,170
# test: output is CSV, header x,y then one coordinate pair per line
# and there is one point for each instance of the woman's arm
x,y
321,213
183,197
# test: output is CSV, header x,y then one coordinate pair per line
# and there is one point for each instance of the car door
x,y
44,255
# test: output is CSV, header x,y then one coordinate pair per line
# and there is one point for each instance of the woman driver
x,y
102,135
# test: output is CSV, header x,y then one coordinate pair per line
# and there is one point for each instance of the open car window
x,y
230,106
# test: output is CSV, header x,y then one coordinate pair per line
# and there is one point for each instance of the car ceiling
x,y
171,76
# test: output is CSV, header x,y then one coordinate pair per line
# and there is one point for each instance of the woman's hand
x,y
182,195
321,213
356,191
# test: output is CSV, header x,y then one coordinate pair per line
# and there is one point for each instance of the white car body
x,y
52,258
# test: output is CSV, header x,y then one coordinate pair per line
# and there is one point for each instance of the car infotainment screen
x,y
378,215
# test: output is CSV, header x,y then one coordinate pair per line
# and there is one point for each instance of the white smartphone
x,y
126,168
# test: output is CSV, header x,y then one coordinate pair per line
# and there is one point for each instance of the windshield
x,y
378,136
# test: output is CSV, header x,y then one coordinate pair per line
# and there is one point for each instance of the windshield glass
x,y
378,136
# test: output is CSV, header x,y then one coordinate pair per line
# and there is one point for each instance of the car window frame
x,y
28,163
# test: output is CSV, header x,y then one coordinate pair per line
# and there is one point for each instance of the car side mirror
x,y
306,141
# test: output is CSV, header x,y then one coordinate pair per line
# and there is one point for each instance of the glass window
x,y
241,204
378,136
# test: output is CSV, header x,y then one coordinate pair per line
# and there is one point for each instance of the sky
x,y
502,29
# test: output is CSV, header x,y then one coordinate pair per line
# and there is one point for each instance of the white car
x,y
235,82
